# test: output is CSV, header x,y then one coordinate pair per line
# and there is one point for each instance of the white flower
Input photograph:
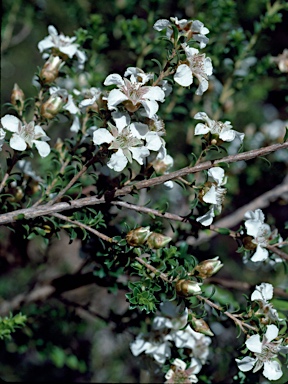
x,y
260,232
190,28
90,97
265,353
158,348
166,330
128,146
213,195
262,294
223,130
62,44
180,374
26,134
282,61
197,65
2,137
133,93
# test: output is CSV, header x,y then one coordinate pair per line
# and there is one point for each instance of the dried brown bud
x,y
157,240
138,236
200,325
52,106
209,267
248,243
50,70
17,96
187,287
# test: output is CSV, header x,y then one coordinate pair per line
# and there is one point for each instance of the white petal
x,y
168,184
115,97
46,43
257,215
252,227
153,141
39,132
155,93
138,346
203,86
217,173
70,106
151,107
261,254
272,370
139,130
201,129
207,219
42,147
122,119
16,142
227,135
161,24
69,50
52,30
271,333
139,153
245,364
75,125
210,196
115,79
263,291
118,161
10,123
102,135
183,75
254,344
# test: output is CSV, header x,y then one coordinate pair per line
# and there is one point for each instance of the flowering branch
x,y
79,203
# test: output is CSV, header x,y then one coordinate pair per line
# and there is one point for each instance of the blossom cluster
x,y
168,330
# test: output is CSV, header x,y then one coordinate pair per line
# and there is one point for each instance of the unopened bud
x,y
156,240
187,287
200,325
138,236
53,105
17,96
209,267
50,70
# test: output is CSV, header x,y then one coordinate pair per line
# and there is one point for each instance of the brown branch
x,y
278,252
58,207
81,225
237,321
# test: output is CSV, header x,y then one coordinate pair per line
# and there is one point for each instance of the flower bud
x,y
17,96
200,325
209,267
187,287
53,105
50,70
138,236
156,240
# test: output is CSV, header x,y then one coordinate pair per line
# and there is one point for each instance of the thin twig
x,y
238,322
81,225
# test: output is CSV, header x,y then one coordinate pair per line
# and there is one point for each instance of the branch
x,y
74,204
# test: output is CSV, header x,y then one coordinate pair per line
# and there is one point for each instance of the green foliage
x,y
9,324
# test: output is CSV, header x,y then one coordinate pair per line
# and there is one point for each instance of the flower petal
x,y
272,370
271,332
115,97
207,219
16,142
102,135
261,254
210,196
254,344
139,153
245,364
118,161
10,123
42,147
183,75
151,107
115,79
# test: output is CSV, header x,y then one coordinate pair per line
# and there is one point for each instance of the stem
x,y
237,321
152,269
274,249
81,225
7,174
